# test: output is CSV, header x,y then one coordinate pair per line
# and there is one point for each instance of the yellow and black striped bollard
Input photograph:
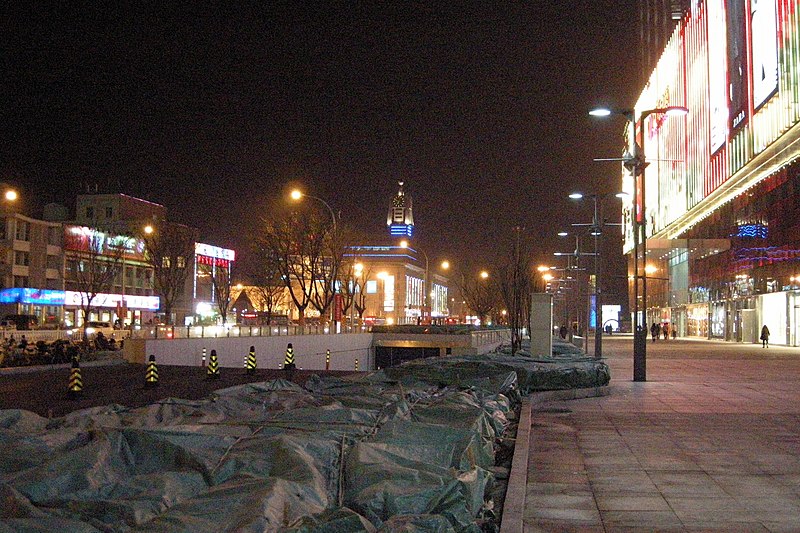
x,y
213,366
203,360
327,359
151,374
356,364
288,361
251,361
75,385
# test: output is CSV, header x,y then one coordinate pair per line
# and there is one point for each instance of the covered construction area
x,y
408,448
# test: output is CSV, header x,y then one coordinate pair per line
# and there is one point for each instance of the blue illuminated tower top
x,y
400,219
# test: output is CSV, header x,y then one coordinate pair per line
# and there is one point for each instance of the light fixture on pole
x,y
634,160
576,268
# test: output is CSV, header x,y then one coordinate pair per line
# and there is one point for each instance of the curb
x,y
10,371
514,506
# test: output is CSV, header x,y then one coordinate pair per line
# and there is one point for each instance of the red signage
x,y
338,305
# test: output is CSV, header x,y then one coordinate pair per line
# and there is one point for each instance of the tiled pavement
x,y
711,442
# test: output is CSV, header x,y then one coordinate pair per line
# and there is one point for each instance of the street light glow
x,y
600,112
445,265
676,111
542,268
484,274
563,233
11,195
404,244
148,229
296,194
576,195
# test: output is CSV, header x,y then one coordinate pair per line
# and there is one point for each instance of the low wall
x,y
309,351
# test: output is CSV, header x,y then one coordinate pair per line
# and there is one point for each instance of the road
x,y
45,392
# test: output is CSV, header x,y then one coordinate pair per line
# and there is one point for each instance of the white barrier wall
x,y
309,351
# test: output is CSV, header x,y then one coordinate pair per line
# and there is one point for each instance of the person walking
x,y
654,330
665,330
764,336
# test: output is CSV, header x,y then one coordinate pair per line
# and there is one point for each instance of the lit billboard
x,y
733,64
764,24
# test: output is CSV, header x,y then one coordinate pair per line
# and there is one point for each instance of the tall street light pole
x,y
635,160
596,231
577,255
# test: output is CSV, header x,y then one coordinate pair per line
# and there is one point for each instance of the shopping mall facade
x,y
721,209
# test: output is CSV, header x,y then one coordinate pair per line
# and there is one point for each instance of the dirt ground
x,y
45,391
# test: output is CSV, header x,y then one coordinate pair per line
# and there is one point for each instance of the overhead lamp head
x,y
600,112
563,233
676,111
576,195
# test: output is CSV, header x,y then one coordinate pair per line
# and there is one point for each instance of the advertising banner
x,y
718,76
736,24
764,24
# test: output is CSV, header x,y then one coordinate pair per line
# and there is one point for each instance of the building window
x,y
23,231
181,262
54,262
3,228
54,235
372,286
90,213
109,212
21,258
20,281
165,262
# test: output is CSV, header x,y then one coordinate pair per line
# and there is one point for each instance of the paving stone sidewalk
x,y
711,442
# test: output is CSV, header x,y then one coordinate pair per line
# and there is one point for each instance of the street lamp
x,y
596,230
576,267
297,194
635,161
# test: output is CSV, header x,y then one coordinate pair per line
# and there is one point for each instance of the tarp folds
x,y
405,449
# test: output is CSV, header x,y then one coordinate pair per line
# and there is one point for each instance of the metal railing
x,y
217,331
50,335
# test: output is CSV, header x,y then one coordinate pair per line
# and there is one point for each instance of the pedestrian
x,y
665,330
654,331
765,336
563,332
674,331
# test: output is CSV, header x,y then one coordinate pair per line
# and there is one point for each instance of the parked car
x,y
22,322
93,327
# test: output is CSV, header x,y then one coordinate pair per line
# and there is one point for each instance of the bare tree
x,y
221,287
268,282
296,244
169,249
325,272
95,265
480,295
515,284
353,275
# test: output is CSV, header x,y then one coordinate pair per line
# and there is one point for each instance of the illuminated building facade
x,y
722,189
199,301
394,283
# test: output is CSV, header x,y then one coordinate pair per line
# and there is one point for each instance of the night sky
x,y
481,108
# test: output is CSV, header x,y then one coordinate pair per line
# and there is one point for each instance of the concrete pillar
x,y
541,324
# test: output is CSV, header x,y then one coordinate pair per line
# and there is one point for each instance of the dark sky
x,y
480,107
